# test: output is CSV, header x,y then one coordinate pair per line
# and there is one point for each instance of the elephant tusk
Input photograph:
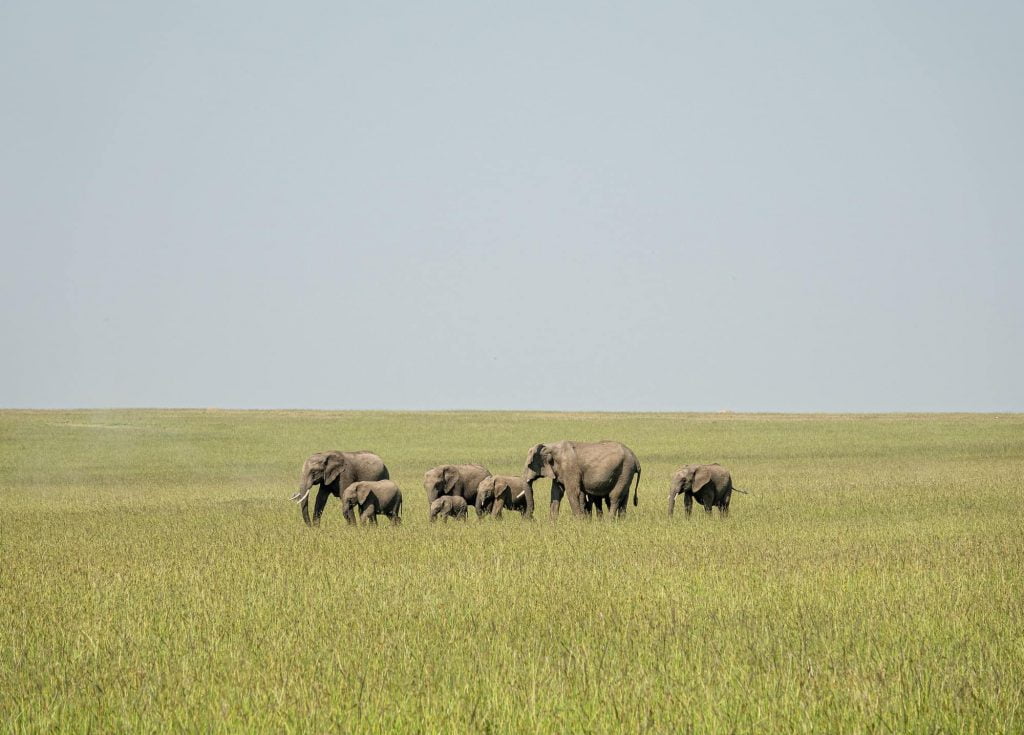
x,y
300,496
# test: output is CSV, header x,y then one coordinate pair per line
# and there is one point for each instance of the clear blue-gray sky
x,y
793,206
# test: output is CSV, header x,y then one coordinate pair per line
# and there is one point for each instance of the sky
x,y
636,206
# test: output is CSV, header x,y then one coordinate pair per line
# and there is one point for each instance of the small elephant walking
x,y
454,479
504,492
449,506
334,471
372,497
710,484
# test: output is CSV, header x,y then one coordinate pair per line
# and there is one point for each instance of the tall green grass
x,y
156,578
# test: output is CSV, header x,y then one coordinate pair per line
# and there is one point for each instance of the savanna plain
x,y
156,578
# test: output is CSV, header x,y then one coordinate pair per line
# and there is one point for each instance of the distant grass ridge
x,y
156,578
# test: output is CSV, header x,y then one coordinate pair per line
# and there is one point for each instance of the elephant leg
x,y
576,504
370,515
321,503
396,520
619,495
557,491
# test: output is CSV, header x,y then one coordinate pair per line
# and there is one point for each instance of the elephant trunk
x,y
528,492
304,486
302,496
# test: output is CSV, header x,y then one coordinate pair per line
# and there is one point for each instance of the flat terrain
x,y
156,578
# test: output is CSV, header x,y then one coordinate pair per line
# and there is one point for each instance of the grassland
x,y
156,578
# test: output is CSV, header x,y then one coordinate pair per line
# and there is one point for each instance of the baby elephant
x,y
504,492
448,505
372,497
710,484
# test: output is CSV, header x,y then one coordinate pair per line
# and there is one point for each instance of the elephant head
x,y
485,495
688,473
540,462
557,461
321,468
440,481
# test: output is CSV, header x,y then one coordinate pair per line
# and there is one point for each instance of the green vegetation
x,y
156,578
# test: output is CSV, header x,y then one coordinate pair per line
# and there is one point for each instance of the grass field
x,y
156,578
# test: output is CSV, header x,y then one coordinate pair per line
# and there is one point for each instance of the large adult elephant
x,y
334,471
578,469
454,479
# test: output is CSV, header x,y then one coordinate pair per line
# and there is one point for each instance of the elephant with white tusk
x,y
585,471
334,471
504,492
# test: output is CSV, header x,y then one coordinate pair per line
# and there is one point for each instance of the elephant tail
x,y
636,488
740,491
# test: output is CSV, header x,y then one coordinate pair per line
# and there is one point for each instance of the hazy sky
x,y
796,206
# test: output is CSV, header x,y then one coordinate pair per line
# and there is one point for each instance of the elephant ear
x,y
699,477
451,476
363,491
332,468
500,487
535,458
567,466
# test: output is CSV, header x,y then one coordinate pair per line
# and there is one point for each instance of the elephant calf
x,y
380,496
449,506
710,484
504,492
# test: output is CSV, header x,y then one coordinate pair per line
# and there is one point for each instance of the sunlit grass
x,y
155,577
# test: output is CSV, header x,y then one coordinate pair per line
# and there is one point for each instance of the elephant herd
x,y
592,476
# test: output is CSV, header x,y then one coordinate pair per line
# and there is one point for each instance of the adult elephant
x,y
454,479
600,470
504,492
710,484
334,471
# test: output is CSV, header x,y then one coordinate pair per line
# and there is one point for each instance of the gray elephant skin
x,y
334,471
504,492
454,479
449,506
601,470
373,498
708,484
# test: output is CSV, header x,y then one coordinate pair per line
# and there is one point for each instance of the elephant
x,y
334,471
448,506
499,492
582,470
593,502
372,497
454,479
710,484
